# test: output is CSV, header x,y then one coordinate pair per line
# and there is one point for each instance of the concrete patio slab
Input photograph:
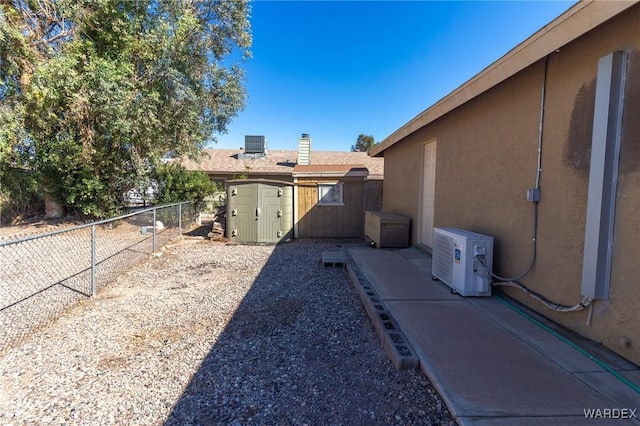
x,y
618,392
483,369
529,421
557,350
400,283
493,365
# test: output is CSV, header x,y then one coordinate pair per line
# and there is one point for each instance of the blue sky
x,y
336,69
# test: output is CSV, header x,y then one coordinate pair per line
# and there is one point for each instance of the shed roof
x,y
576,21
318,168
280,162
329,170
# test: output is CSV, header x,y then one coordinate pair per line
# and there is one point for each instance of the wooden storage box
x,y
387,229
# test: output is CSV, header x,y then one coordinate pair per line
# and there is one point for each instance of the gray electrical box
x,y
533,194
603,175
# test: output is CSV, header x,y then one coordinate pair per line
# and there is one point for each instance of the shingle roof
x,y
279,162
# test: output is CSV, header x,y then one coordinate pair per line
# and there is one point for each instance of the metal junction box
x,y
387,229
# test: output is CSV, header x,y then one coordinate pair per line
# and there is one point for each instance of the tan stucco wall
x,y
486,160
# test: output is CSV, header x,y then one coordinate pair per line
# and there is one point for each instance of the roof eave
x,y
576,21
346,173
245,172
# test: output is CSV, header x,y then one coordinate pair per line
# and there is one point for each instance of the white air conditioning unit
x,y
463,260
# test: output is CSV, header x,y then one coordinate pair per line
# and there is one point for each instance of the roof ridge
x,y
287,150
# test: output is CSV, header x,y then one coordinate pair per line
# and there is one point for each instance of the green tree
x,y
18,187
176,184
97,91
363,144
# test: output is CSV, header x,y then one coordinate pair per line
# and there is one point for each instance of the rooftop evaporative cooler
x,y
463,260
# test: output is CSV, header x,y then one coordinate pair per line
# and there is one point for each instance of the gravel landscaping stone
x,y
211,333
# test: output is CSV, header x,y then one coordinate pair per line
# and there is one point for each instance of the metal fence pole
x,y
93,260
153,243
180,219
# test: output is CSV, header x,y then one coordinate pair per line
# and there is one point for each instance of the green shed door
x,y
275,213
259,212
269,214
242,221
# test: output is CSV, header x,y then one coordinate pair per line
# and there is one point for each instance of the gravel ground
x,y
36,275
210,333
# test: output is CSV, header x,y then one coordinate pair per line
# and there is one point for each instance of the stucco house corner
x,y
541,150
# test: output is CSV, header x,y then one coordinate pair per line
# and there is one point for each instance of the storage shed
x,y
259,211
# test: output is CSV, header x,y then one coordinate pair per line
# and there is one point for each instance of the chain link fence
x,y
43,275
